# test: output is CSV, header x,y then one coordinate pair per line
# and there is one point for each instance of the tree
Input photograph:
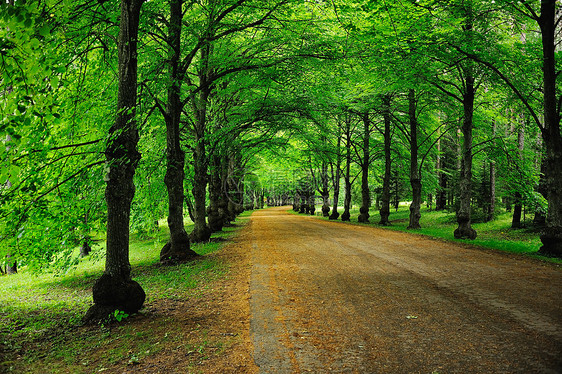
x,y
365,162
348,131
335,167
178,247
115,289
459,80
385,198
492,183
546,15
552,235
516,221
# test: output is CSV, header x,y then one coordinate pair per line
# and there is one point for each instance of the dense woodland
x,y
115,114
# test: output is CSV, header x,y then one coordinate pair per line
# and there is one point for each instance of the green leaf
x,y
44,31
54,80
34,43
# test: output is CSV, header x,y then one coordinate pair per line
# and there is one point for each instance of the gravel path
x,y
327,297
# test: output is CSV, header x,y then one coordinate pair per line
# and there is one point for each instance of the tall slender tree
x,y
178,246
385,198
365,162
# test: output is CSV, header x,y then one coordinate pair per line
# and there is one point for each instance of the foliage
x,y
282,77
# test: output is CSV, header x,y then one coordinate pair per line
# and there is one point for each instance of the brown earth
x,y
211,331
308,295
327,297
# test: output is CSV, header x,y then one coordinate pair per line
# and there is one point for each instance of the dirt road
x,y
326,297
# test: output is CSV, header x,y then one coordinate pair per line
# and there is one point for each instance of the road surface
x,y
328,297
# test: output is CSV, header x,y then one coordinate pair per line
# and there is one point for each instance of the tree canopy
x,y
204,108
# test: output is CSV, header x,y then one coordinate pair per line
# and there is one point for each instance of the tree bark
x,y
464,230
492,204
347,177
304,201
85,249
216,197
540,217
178,247
517,208
336,175
115,289
551,237
234,189
415,177
225,202
385,198
325,192
365,193
296,202
201,231
441,196
11,265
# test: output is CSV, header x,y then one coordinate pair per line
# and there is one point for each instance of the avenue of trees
x,y
117,113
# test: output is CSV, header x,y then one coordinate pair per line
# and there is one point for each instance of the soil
x,y
328,297
310,295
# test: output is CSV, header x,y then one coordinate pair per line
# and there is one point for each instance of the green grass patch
x,y
40,314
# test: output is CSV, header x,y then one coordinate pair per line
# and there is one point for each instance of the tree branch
x,y
57,148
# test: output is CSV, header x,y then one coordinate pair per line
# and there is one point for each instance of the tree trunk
x,y
551,237
178,247
492,204
492,193
296,202
365,193
201,231
325,191
347,177
304,201
310,197
441,196
336,175
415,177
215,216
85,249
464,230
385,198
396,179
226,200
190,209
517,209
540,217
11,265
115,289
335,214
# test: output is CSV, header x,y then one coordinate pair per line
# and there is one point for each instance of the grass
x,y
40,315
497,234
